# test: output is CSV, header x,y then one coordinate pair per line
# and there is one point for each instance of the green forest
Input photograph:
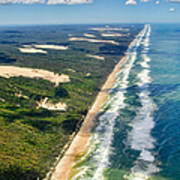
x,y
31,138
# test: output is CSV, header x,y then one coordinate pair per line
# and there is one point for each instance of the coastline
x,y
80,141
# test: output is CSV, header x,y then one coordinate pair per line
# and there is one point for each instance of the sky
x,y
28,12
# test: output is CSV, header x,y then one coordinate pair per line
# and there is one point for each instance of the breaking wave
x,y
103,135
139,138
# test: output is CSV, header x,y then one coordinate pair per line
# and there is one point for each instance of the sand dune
x,y
71,70
13,71
89,35
109,29
95,56
46,46
51,106
20,95
39,48
31,50
93,40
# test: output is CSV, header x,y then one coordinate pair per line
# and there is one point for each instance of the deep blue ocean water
x,y
137,133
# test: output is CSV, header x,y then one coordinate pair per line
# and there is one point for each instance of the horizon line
x,y
100,23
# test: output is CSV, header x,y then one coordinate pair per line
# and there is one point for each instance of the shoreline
x,y
80,141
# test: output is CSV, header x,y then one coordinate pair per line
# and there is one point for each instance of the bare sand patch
x,y
51,106
88,75
13,71
109,29
39,48
27,46
20,95
93,40
96,57
106,29
113,35
89,35
29,49
47,46
71,70
3,100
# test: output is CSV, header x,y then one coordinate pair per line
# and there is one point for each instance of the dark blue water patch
x,y
165,30
133,99
167,134
123,156
158,90
163,53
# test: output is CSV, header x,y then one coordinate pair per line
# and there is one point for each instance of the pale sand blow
x,y
31,50
52,106
46,46
89,35
93,40
96,57
109,29
39,48
13,71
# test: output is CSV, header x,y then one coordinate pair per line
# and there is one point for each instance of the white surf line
x,y
112,113
104,134
139,138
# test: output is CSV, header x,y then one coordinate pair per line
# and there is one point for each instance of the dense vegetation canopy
x,y
31,138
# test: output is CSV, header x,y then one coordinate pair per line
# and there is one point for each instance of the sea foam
x,y
104,134
139,138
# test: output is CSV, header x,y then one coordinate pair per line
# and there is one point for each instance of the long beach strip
x,y
80,141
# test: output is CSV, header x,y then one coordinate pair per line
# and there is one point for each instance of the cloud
x,y
145,0
45,1
171,9
22,1
70,2
174,1
157,2
130,2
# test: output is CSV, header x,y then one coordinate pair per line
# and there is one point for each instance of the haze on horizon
x,y
24,12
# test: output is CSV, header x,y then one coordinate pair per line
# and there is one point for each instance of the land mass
x,y
40,111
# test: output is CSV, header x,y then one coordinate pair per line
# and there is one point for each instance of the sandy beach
x,y
80,141
79,144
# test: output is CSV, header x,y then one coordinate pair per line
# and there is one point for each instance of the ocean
x,y
136,135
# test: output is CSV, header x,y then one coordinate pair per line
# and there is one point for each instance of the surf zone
x,y
95,161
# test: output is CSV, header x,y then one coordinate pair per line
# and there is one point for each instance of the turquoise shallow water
x,y
137,134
